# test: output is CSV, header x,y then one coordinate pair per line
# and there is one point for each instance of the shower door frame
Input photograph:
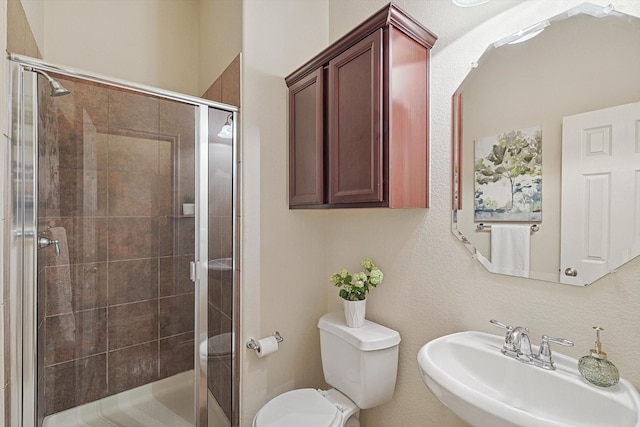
x,y
23,248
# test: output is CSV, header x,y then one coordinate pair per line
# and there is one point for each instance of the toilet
x,y
360,364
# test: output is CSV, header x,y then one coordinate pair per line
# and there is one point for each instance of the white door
x,y
600,220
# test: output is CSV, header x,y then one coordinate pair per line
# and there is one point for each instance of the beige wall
x,y
432,286
147,42
283,260
219,38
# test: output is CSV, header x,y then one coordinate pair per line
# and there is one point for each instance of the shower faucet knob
x,y
44,242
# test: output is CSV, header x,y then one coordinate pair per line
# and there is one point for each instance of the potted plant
x,y
354,290
188,205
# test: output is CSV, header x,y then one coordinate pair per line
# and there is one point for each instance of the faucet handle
x,y
508,346
544,355
501,325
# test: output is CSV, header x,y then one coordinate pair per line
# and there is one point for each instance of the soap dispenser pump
x,y
595,367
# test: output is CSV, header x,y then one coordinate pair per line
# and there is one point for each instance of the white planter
x,y
188,208
354,312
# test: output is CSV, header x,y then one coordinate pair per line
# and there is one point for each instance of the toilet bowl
x,y
217,345
360,363
309,407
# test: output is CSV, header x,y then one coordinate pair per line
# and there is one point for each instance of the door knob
x,y
570,272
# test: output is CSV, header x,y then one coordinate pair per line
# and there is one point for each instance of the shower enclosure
x,y
123,300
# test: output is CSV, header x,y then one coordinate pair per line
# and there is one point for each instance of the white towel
x,y
510,249
63,293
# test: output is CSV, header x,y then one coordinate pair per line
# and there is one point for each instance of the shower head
x,y
56,88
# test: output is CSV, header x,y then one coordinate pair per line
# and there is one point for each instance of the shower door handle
x,y
44,242
192,271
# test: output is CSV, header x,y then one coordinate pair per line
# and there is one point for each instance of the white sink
x,y
467,372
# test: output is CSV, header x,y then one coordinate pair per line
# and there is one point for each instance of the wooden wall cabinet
x,y
359,118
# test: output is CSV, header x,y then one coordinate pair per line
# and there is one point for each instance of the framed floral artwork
x,y
508,176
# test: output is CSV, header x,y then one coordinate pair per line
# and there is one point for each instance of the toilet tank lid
x,y
369,337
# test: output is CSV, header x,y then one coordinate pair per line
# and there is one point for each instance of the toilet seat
x,y
303,407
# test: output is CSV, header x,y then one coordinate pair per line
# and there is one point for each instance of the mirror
x,y
546,149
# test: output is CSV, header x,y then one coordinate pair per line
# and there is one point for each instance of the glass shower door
x,y
115,307
220,150
128,291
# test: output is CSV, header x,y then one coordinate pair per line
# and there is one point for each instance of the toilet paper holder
x,y
254,345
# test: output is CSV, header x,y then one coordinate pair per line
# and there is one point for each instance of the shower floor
x,y
164,403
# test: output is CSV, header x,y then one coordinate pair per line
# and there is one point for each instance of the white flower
x,y
367,263
376,276
359,279
355,286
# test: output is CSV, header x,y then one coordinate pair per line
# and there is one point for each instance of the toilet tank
x,y
362,363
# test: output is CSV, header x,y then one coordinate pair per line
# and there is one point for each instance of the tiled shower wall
x,y
117,166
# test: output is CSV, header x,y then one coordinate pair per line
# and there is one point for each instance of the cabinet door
x,y
355,123
306,176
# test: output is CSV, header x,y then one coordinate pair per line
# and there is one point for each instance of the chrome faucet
x,y
521,344
516,341
518,346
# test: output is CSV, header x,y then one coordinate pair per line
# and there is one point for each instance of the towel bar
x,y
482,227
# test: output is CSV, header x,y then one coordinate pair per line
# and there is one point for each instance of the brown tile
x,y
133,154
132,194
220,384
164,195
213,320
185,236
75,335
91,101
231,83
176,315
166,235
227,293
89,284
176,354
215,288
165,157
68,138
81,145
174,276
133,323
133,367
86,238
88,288
131,238
82,192
74,383
131,281
41,283
177,118
214,93
133,111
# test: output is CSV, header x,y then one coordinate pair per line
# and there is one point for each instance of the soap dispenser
x,y
595,367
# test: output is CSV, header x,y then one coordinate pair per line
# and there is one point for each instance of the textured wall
x,y
283,251
432,286
148,42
